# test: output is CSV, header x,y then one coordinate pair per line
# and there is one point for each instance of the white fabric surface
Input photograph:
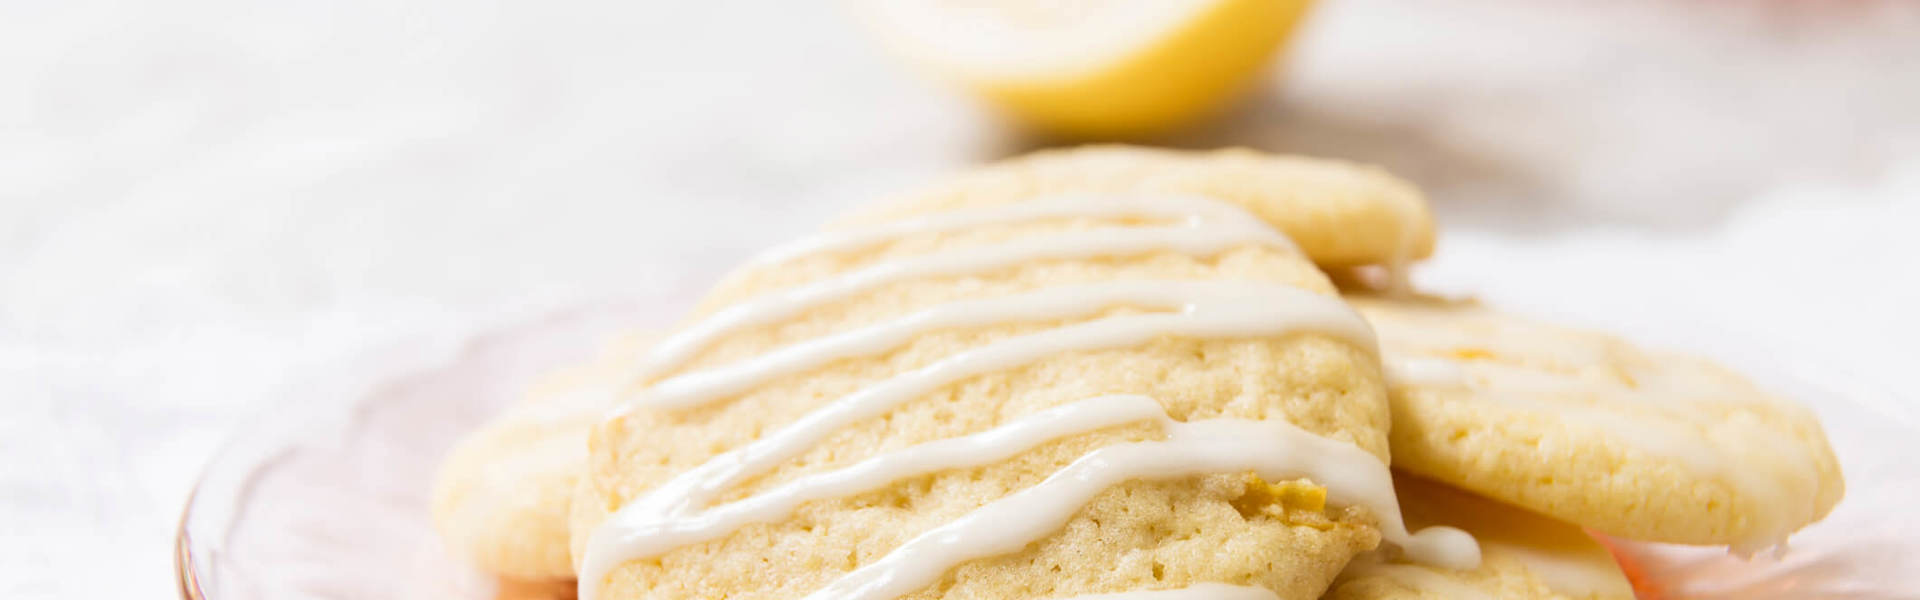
x,y
203,202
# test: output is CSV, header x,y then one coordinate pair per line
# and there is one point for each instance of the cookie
x,y
1047,397
1523,555
502,494
1342,214
1588,429
506,519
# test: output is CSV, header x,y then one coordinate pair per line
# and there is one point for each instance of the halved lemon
x,y
1091,68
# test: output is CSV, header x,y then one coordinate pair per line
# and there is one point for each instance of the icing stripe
x,y
653,529
701,387
1275,450
1192,209
1200,237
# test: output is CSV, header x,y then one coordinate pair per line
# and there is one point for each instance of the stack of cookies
x,y
1120,373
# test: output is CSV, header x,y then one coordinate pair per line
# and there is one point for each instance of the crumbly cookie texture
x,y
1523,555
1134,536
1342,214
1590,430
502,495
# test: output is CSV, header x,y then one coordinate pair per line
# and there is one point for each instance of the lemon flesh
x,y
1093,68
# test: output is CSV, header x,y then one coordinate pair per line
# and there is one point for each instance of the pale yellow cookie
x,y
1342,214
1136,535
496,499
1524,556
501,497
1590,430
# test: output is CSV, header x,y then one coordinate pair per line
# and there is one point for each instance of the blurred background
x,y
205,203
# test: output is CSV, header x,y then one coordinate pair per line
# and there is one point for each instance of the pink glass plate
x,y
327,498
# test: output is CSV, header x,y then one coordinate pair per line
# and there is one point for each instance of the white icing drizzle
x,y
658,522
1695,440
1199,591
1208,233
1274,450
1194,210
1560,555
1188,297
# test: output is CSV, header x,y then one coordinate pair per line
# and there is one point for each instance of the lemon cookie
x,y
502,495
1054,397
504,514
1342,214
1523,555
1588,429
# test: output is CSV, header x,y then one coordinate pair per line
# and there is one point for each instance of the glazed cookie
x,y
507,518
1523,555
1342,214
502,495
1587,429
1047,398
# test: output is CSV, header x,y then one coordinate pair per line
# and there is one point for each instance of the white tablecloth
x,y
202,202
